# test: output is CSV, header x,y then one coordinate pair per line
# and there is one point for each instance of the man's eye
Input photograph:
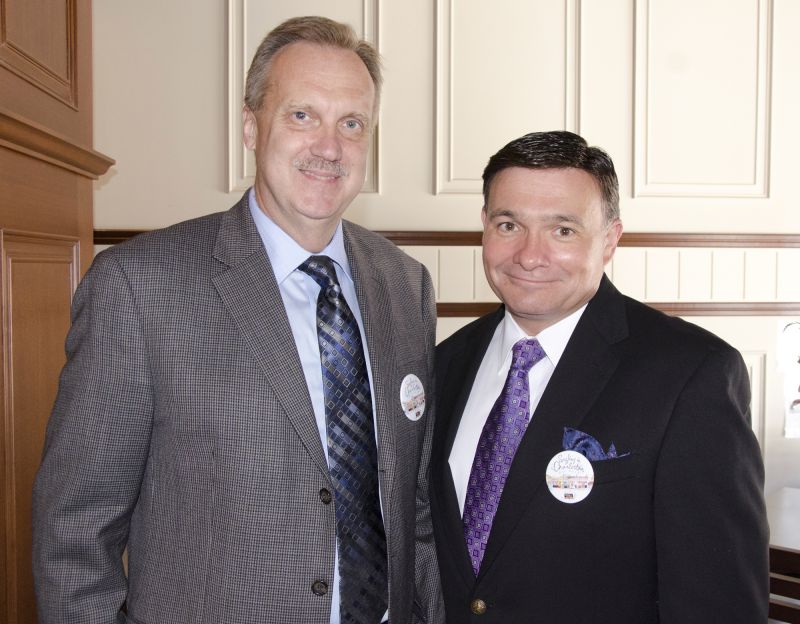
x,y
300,115
565,231
352,124
506,226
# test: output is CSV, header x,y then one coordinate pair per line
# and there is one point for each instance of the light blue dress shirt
x,y
299,292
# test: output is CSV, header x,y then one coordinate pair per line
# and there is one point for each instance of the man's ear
x,y
249,128
613,233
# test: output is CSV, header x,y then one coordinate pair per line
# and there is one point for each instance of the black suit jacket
x,y
674,533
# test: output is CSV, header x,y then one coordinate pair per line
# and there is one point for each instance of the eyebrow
x,y
493,214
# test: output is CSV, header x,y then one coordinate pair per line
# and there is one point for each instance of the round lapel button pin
x,y
412,397
570,477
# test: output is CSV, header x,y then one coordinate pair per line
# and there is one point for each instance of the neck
x,y
313,235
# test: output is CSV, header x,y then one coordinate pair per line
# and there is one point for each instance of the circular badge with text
x,y
569,476
412,397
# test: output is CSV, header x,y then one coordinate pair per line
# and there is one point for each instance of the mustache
x,y
322,166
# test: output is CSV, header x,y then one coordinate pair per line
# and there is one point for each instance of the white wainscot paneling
x,y
662,274
456,274
728,275
695,275
491,72
483,292
789,275
248,22
629,271
702,88
760,274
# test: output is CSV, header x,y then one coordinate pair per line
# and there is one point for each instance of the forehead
x,y
519,188
308,69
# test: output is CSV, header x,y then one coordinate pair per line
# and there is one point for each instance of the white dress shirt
x,y
299,293
489,383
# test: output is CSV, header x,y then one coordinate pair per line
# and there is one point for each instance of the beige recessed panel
x,y
702,97
504,68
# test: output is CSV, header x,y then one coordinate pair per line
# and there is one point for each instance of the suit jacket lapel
x,y
374,299
246,284
585,367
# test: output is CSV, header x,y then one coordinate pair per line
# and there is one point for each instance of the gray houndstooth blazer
x,y
183,430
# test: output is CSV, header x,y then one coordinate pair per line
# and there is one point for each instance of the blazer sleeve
x,y
710,519
428,589
96,448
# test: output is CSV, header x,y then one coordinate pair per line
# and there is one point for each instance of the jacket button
x,y
325,496
319,588
477,606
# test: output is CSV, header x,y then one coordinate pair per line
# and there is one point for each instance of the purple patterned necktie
x,y
497,445
352,452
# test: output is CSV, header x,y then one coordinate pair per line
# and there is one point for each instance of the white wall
x,y
695,100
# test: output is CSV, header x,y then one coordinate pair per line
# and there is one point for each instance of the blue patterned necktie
x,y
352,452
497,445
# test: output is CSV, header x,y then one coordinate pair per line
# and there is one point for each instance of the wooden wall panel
x,y
44,47
41,51
39,275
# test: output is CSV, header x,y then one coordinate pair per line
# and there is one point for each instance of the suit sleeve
x,y
710,518
95,452
429,593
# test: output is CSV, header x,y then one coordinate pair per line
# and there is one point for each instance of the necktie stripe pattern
x,y
352,452
497,445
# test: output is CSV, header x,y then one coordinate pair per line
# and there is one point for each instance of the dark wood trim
x,y
645,239
435,239
473,239
112,237
475,309
709,240
465,309
30,138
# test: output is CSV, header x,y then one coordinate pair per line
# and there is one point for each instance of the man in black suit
x,y
593,458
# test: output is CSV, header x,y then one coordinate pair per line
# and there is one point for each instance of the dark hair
x,y
312,29
558,149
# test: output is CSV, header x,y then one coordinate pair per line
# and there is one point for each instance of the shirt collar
x,y
553,339
285,255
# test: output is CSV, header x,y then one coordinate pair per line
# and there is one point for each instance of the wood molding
x,y
473,239
700,308
30,138
113,237
15,56
709,240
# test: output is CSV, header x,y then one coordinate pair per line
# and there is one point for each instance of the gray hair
x,y
311,29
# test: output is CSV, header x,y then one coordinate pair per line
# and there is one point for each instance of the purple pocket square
x,y
587,446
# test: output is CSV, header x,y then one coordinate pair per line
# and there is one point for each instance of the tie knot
x,y
525,353
322,271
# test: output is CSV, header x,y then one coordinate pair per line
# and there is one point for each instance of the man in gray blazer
x,y
195,423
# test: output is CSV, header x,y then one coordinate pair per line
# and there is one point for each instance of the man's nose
x,y
532,251
327,143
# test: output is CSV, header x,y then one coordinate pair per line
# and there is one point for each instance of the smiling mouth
x,y
323,176
532,281
320,169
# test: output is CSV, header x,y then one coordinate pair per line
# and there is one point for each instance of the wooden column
x,y
46,170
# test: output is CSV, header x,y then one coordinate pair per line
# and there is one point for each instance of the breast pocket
x,y
611,470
